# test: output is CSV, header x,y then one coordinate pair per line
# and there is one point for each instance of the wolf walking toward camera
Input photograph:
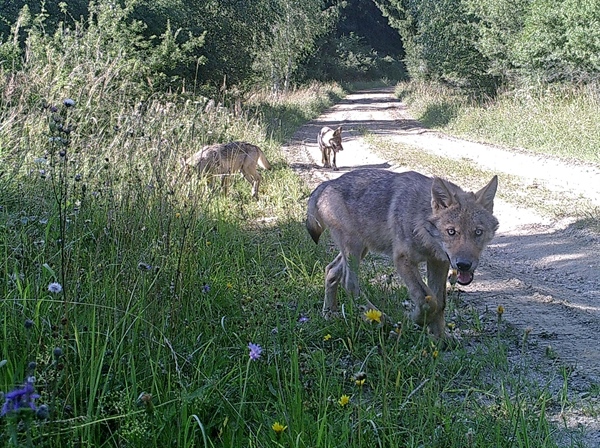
x,y
413,219
330,142
225,159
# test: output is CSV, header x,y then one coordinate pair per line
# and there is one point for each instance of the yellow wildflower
x,y
344,400
360,378
373,315
327,337
278,428
500,309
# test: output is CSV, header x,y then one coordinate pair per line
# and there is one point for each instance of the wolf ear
x,y
338,131
441,195
486,195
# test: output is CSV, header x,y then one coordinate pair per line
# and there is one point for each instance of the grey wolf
x,y
413,219
225,159
330,141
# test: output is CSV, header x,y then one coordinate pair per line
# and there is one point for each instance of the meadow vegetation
x,y
142,308
560,120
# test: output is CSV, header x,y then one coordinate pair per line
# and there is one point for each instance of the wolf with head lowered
x,y
330,143
225,159
413,219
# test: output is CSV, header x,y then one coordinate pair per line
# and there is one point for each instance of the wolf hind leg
x,y
334,272
254,178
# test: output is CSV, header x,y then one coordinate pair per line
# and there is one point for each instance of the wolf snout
x,y
464,271
463,265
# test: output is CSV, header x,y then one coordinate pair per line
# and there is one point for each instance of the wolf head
x,y
465,223
330,138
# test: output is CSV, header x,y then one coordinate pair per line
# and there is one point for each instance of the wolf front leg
x,y
428,308
437,274
333,163
325,157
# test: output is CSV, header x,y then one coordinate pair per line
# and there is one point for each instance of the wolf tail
x,y
314,223
262,160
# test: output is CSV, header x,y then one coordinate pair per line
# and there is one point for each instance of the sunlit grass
x,y
165,282
557,120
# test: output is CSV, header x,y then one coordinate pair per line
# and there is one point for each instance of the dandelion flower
x,y
500,310
255,351
278,428
229,286
327,337
435,354
54,287
344,400
373,315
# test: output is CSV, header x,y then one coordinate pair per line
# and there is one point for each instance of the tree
x,y
292,35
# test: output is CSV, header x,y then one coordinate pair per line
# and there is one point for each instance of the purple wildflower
x,y
69,102
205,288
20,398
255,351
303,319
54,287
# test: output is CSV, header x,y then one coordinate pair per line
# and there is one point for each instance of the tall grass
x,y
164,282
556,120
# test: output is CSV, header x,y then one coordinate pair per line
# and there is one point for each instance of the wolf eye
x,y
478,232
451,232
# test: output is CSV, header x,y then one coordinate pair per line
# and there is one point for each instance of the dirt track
x,y
544,272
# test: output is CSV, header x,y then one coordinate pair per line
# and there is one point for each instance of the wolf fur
x,y
225,159
413,219
330,142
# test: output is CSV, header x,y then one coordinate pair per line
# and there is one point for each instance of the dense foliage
x,y
214,43
485,44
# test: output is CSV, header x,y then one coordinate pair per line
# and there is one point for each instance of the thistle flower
x,y
344,400
255,351
20,398
278,428
373,315
54,287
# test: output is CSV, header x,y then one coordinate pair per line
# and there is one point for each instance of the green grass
x,y
561,121
165,283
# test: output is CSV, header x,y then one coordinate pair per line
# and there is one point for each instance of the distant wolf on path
x,y
413,219
330,141
225,159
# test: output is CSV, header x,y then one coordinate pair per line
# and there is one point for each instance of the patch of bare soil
x,y
544,272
